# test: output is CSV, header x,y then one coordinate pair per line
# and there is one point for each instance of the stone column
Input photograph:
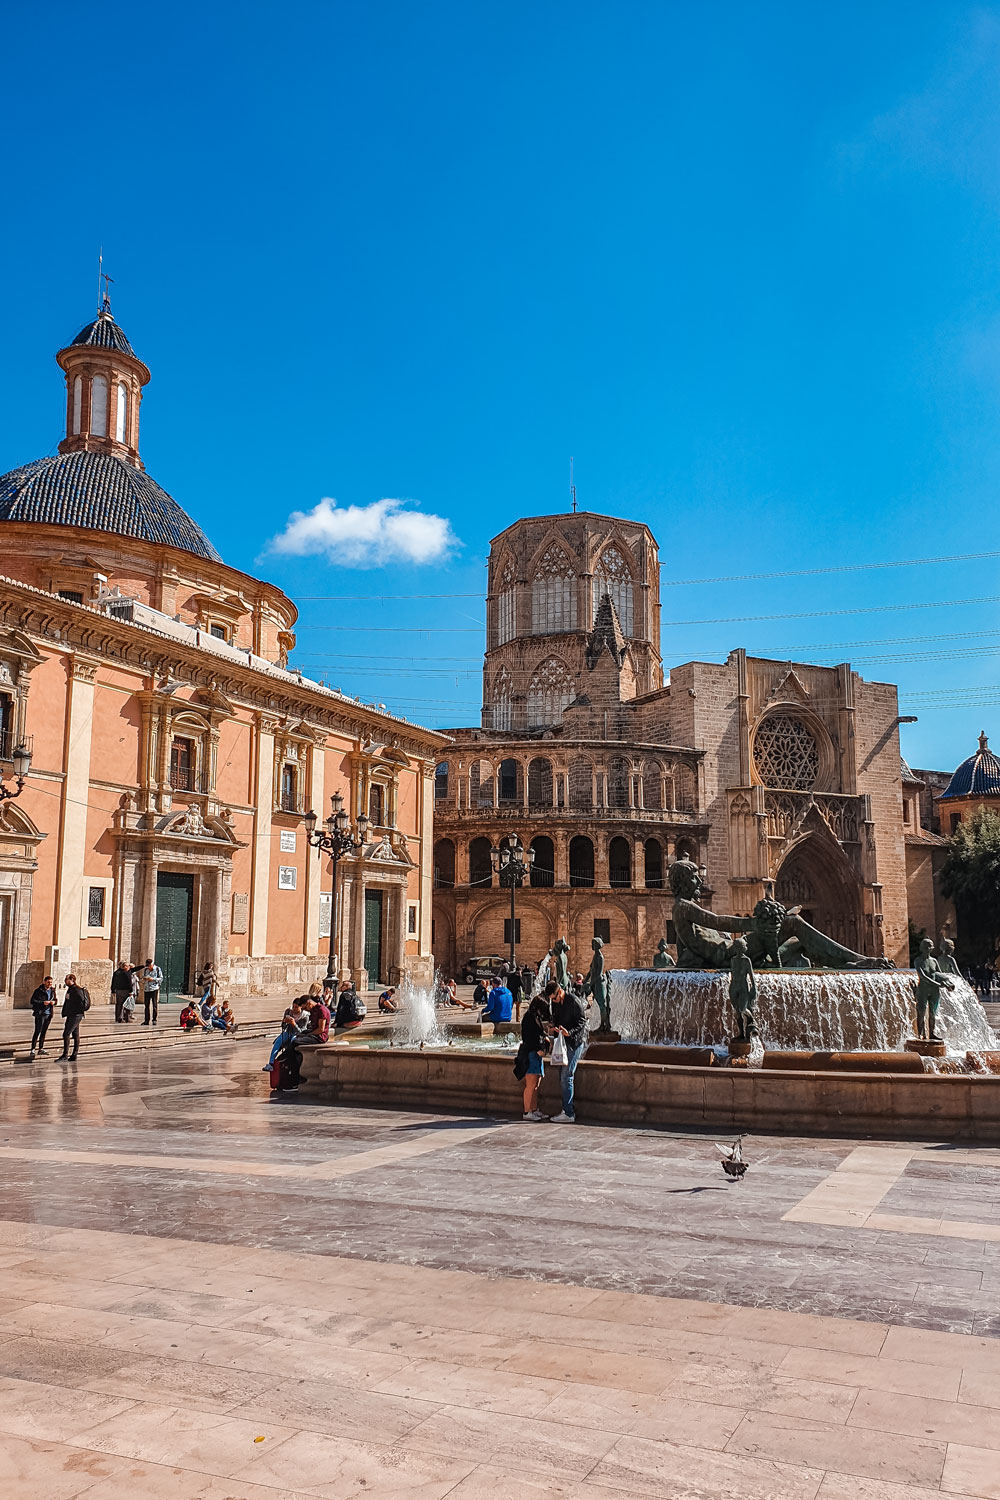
x,y
73,812
260,867
561,844
314,864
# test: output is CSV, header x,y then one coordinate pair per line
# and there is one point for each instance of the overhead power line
x,y
815,614
908,562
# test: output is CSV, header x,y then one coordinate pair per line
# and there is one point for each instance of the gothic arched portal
x,y
817,877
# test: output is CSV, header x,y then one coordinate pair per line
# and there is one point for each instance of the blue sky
x,y
740,260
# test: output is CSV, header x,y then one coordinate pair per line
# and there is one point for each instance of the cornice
x,y
76,628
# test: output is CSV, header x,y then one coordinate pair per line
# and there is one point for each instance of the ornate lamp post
x,y
338,840
21,757
512,863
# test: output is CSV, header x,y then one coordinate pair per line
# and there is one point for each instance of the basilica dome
x,y
96,481
99,492
979,776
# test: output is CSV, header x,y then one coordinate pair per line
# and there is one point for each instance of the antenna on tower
x,y
100,275
572,487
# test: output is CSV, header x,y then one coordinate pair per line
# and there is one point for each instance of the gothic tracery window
x,y
612,576
506,625
785,754
502,705
549,692
553,594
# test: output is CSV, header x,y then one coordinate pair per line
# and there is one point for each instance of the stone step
x,y
102,1044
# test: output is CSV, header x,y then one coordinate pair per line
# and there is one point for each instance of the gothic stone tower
x,y
547,578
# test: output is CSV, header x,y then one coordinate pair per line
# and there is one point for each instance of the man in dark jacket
x,y
43,1004
75,1007
569,1018
121,987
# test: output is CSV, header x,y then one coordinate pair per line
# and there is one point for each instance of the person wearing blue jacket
x,y
500,1005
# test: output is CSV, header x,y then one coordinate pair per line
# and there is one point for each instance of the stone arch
x,y
652,785
816,875
617,951
550,690
509,780
543,871
581,861
540,782
618,783
581,784
444,864
443,940
480,863
553,591
488,926
505,591
482,784
501,704
619,863
653,863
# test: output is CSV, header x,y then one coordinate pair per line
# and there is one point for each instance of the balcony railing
x,y
9,742
513,812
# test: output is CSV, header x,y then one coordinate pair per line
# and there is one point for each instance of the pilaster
x,y
75,793
261,863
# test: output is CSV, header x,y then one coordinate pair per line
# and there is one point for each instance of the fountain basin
x,y
844,1062
828,1010
889,1105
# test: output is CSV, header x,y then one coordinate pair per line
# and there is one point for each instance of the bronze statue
x,y
947,962
560,953
931,980
701,943
742,990
661,958
598,984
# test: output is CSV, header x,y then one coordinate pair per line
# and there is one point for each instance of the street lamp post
x,y
21,757
512,863
338,840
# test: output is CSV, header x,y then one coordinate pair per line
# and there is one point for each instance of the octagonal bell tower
x,y
573,610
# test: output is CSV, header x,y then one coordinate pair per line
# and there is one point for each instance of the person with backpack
x,y
43,1005
75,1007
152,978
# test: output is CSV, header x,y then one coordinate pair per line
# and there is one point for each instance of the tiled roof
x,y
98,492
104,333
979,776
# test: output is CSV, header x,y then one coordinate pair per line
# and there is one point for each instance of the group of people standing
x,y
129,983
76,1003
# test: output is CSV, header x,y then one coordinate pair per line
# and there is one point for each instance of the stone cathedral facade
x,y
764,771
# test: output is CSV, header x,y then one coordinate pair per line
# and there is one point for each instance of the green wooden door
x,y
174,900
373,937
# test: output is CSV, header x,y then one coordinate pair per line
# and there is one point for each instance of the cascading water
x,y
841,1010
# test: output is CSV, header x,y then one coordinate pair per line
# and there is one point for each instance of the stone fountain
x,y
812,994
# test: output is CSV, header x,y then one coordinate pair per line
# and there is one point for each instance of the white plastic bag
x,y
559,1056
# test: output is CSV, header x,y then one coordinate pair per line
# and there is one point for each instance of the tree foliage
x,y
970,876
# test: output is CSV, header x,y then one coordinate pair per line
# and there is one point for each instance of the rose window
x,y
785,754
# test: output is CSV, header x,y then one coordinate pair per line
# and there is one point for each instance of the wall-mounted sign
x,y
286,877
241,911
286,840
325,912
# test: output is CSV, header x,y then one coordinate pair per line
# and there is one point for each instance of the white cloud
x,y
366,536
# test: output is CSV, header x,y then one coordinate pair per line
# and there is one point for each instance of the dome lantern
x,y
104,382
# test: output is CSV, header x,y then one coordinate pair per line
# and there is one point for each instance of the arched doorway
x,y
818,879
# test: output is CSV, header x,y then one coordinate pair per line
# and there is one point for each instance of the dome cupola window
x,y
98,407
121,414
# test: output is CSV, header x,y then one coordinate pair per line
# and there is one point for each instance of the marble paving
x,y
208,1293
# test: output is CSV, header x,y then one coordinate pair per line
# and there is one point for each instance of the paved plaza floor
x,y
206,1292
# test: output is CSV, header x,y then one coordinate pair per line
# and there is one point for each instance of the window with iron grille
x,y
602,928
182,765
219,631
95,906
73,595
517,931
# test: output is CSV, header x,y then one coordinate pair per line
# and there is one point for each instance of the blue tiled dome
x,y
979,776
99,492
104,333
